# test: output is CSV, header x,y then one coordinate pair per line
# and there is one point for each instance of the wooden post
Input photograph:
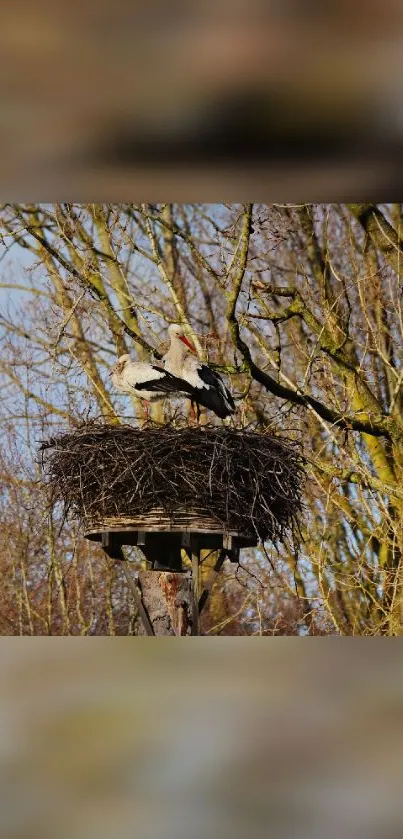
x,y
167,597
195,588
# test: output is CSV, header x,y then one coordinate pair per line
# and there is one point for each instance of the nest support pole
x,y
168,597
165,599
195,588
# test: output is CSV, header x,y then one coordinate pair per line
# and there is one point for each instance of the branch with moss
x,y
90,284
185,236
353,477
376,425
382,235
168,281
29,394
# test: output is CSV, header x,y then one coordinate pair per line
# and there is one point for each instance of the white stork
x,y
147,381
208,387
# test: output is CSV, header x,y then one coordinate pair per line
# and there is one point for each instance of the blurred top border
x,y
283,100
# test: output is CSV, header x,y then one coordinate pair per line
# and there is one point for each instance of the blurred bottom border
x,y
169,738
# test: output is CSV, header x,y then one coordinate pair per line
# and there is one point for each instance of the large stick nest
x,y
249,482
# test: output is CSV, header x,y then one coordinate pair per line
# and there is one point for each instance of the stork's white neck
x,y
176,355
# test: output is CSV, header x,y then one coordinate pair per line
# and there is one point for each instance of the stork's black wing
x,y
212,393
166,384
214,381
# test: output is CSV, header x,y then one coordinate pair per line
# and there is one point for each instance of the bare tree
x,y
300,306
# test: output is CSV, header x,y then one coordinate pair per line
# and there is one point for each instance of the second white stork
x,y
147,381
208,387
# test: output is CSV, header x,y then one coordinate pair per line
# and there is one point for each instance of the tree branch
x,y
382,235
91,287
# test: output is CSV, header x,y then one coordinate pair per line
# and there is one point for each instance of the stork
x,y
147,381
208,387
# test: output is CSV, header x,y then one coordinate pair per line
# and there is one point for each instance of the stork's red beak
x,y
187,342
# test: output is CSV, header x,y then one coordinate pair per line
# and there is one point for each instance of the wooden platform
x,y
162,539
171,593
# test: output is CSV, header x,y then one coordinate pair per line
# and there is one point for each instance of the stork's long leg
x,y
195,412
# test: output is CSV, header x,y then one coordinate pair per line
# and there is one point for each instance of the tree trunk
x,y
168,601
